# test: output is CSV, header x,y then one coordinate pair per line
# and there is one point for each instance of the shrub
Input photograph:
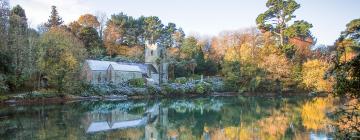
x,y
181,80
153,89
199,89
203,88
139,82
111,89
192,87
217,84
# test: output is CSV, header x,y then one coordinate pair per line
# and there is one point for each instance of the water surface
x,y
200,118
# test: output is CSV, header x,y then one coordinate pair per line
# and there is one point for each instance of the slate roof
x,y
98,65
123,67
104,65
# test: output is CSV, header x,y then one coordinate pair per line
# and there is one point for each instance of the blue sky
x,y
203,17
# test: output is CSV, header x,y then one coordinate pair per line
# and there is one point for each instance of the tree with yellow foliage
x,y
313,76
60,58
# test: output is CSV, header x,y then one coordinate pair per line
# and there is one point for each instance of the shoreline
x,y
72,98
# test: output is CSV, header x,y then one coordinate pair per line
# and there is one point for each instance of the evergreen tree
x,y
18,46
346,67
276,20
54,20
4,21
153,29
92,42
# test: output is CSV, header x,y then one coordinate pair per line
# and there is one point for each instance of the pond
x,y
197,118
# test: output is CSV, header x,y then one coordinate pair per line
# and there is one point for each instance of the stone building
x,y
98,72
154,70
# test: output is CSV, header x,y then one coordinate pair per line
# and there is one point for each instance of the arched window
x,y
151,52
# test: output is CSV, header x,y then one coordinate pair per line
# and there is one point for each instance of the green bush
x,y
166,89
181,80
192,87
153,90
139,82
200,89
203,88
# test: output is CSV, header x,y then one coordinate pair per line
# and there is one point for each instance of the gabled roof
x,y
104,65
98,65
143,67
124,67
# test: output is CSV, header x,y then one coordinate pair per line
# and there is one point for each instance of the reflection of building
x,y
158,128
115,119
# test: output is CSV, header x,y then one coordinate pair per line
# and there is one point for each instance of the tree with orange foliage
x,y
88,20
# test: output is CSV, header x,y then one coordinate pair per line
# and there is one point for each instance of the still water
x,y
212,118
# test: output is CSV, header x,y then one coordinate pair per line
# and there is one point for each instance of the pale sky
x,y
204,17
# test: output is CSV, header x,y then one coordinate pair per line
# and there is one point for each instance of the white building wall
x,y
98,77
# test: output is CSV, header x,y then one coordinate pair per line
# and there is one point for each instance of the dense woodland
x,y
276,56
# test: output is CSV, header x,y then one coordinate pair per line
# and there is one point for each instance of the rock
x,y
10,101
115,97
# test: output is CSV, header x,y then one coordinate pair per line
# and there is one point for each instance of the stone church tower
x,y
155,56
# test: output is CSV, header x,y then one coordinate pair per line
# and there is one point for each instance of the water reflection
x,y
202,118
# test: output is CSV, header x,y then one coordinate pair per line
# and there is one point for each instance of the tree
x,y
277,68
18,46
75,27
178,37
92,42
125,32
61,55
277,17
88,20
4,21
346,71
188,48
114,33
54,20
166,38
200,62
313,75
232,75
5,69
102,18
346,63
153,29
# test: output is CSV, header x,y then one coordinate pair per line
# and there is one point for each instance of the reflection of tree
x,y
313,113
128,134
348,120
204,118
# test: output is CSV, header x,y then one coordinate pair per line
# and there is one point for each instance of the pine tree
x,y
54,20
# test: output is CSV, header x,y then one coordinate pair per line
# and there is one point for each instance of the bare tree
x,y
102,18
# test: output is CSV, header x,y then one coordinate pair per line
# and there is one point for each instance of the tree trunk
x,y
281,38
